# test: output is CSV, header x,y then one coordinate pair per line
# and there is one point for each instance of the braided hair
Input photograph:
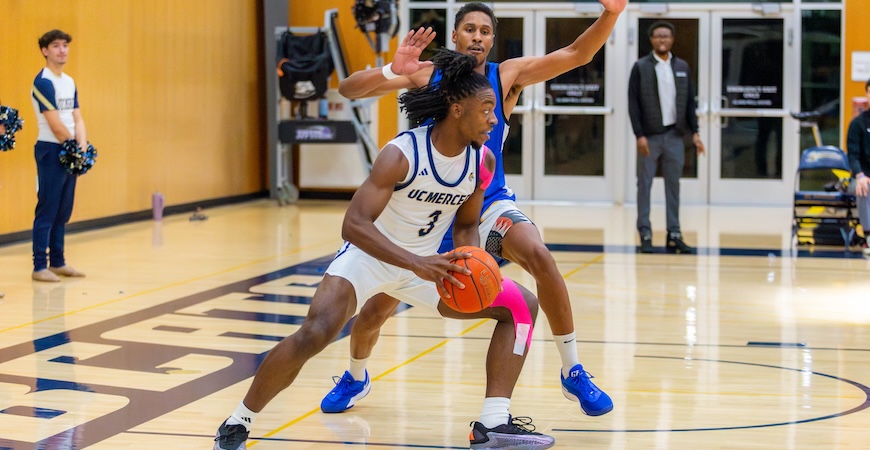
x,y
458,82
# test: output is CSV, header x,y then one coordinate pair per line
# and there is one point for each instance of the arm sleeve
x,y
76,99
485,174
43,92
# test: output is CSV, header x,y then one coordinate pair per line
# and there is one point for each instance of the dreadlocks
x,y
458,82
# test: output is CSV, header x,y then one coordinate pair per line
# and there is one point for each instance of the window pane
x,y
574,145
508,39
512,152
583,86
751,147
820,73
752,71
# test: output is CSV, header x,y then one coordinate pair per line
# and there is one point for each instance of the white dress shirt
x,y
667,89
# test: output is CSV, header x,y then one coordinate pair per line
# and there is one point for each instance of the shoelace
x,y
342,383
581,381
584,374
232,432
523,422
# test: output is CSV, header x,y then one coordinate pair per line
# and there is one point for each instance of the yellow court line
x,y
385,373
640,291
594,260
150,291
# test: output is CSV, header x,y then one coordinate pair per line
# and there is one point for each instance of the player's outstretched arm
x,y
535,69
405,72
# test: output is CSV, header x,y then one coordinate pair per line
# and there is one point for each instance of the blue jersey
x,y
497,190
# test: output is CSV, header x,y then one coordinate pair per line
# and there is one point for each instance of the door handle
x,y
703,108
548,118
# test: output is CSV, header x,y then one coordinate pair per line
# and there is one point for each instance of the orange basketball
x,y
481,287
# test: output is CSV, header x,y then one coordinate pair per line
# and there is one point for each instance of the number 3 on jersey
x,y
431,224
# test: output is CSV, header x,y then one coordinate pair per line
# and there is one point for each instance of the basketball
x,y
481,287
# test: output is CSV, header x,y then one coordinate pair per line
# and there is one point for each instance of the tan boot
x,y
66,271
45,275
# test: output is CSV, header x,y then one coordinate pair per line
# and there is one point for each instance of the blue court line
x,y
775,344
705,251
307,441
861,407
663,344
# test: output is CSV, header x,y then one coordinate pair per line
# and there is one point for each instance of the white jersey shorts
x,y
370,276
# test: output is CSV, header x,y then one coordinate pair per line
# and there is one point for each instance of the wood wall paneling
x,y
856,38
170,92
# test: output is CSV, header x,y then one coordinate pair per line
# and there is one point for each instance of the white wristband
x,y
388,72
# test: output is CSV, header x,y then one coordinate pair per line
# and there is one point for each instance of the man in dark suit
x,y
661,104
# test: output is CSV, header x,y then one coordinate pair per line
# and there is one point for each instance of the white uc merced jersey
x,y
424,204
51,92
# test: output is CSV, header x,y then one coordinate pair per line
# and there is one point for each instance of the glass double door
x,y
571,137
560,128
744,92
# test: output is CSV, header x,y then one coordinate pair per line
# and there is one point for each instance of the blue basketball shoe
x,y
346,392
579,387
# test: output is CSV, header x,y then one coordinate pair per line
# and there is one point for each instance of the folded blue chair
x,y
822,198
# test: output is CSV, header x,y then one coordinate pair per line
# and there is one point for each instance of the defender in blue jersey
x,y
56,102
505,230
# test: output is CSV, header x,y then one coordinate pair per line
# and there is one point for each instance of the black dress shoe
x,y
646,244
675,244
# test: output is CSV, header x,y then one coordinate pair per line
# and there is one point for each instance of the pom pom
x,y
75,160
9,118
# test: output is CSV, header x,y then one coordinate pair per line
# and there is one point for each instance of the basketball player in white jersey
x,y
420,183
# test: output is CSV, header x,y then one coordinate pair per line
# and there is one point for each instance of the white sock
x,y
567,345
242,415
496,411
358,368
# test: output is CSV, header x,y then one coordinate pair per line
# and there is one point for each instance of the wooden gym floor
x,y
750,344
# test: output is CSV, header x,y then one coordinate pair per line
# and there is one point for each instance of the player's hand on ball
x,y
481,285
440,268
